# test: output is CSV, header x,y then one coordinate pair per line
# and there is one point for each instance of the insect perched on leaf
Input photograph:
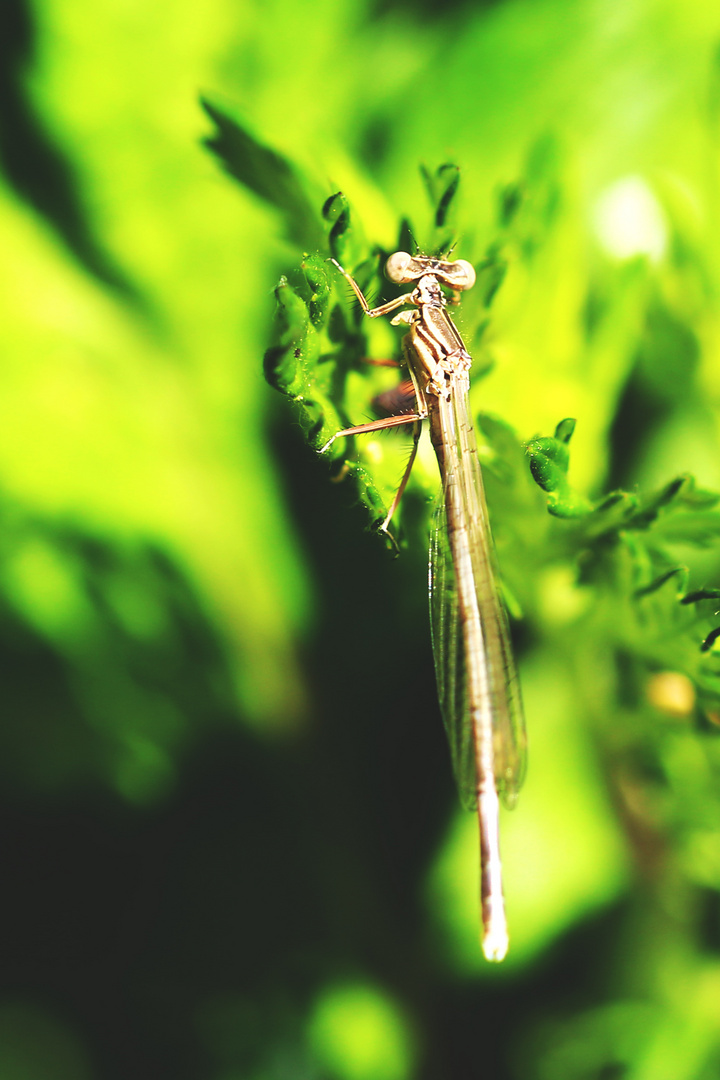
x,y
477,682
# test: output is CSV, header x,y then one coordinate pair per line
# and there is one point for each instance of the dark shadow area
x,y
36,166
662,376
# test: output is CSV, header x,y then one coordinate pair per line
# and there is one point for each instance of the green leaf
x,y
267,173
345,245
549,462
491,274
442,187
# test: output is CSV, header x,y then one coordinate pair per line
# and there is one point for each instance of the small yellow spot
x,y
629,221
671,693
374,451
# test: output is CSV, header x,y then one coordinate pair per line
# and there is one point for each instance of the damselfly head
x,y
457,274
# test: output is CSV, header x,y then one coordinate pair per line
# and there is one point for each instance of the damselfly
x,y
477,683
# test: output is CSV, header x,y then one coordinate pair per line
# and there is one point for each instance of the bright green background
x,y
231,847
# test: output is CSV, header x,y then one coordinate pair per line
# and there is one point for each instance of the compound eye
x,y
466,271
397,268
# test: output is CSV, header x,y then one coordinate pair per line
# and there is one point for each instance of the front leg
x,y
384,309
375,425
415,418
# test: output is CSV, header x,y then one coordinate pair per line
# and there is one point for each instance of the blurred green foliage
x,y
230,839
